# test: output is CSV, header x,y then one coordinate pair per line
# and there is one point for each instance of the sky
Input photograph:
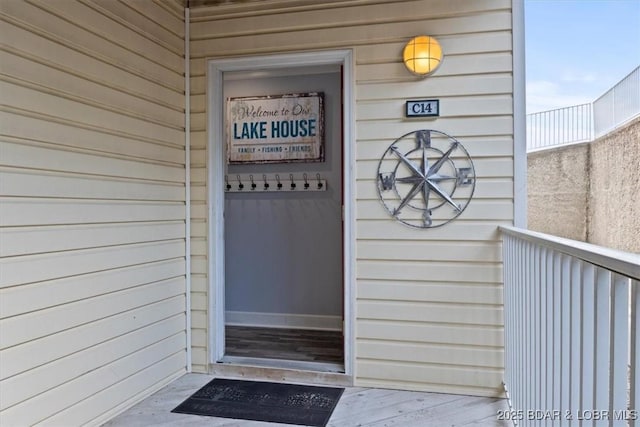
x,y
576,50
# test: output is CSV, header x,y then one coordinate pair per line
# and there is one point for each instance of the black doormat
x,y
263,401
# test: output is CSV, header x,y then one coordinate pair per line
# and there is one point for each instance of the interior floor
x,y
286,344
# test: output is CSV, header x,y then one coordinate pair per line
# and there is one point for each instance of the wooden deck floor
x,y
357,407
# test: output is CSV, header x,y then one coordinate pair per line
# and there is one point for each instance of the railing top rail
x,y
635,70
624,263
560,109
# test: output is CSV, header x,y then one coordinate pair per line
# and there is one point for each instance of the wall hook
x,y
226,180
319,181
278,180
240,184
306,182
266,184
253,184
293,184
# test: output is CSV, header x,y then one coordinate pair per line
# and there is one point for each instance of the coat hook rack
x,y
274,184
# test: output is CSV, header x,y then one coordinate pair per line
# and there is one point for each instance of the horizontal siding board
x,y
478,147
35,240
36,381
435,86
453,65
367,166
163,16
52,347
103,141
42,295
430,353
36,212
45,75
430,270
82,187
43,19
430,291
48,158
35,268
429,251
453,44
477,126
199,319
459,314
30,326
390,229
486,188
82,64
434,374
476,210
44,405
140,22
430,333
39,102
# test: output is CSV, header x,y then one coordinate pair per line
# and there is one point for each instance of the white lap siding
x,y
428,302
92,207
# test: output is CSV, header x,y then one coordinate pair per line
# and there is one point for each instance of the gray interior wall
x,y
283,251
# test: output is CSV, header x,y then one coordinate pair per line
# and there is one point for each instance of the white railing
x,y
618,105
572,332
585,122
561,126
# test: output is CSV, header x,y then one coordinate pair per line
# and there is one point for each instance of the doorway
x,y
282,263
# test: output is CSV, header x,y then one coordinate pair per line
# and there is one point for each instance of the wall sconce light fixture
x,y
422,55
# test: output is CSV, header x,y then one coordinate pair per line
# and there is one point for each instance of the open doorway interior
x,y
283,250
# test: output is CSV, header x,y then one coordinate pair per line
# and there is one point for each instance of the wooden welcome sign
x,y
275,129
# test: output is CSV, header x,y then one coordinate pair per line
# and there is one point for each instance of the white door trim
x,y
215,183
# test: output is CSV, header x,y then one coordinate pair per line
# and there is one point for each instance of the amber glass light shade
x,y
422,55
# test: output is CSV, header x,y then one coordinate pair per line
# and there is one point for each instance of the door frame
x,y
215,184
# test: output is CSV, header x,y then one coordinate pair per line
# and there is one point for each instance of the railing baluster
x,y
537,322
619,350
576,337
565,337
603,342
549,345
588,347
634,354
557,333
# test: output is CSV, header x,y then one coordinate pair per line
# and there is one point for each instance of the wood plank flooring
x,y
361,407
286,344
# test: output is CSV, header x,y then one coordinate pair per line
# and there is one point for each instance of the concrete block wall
x,y
589,192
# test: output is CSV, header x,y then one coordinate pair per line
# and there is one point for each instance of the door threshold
x,y
285,364
261,369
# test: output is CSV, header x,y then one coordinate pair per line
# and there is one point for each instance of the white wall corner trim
x,y
187,185
519,116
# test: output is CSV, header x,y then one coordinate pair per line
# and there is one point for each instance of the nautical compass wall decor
x,y
426,178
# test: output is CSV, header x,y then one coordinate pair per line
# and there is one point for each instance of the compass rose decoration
x,y
426,179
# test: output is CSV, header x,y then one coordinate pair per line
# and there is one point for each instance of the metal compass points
x,y
425,179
